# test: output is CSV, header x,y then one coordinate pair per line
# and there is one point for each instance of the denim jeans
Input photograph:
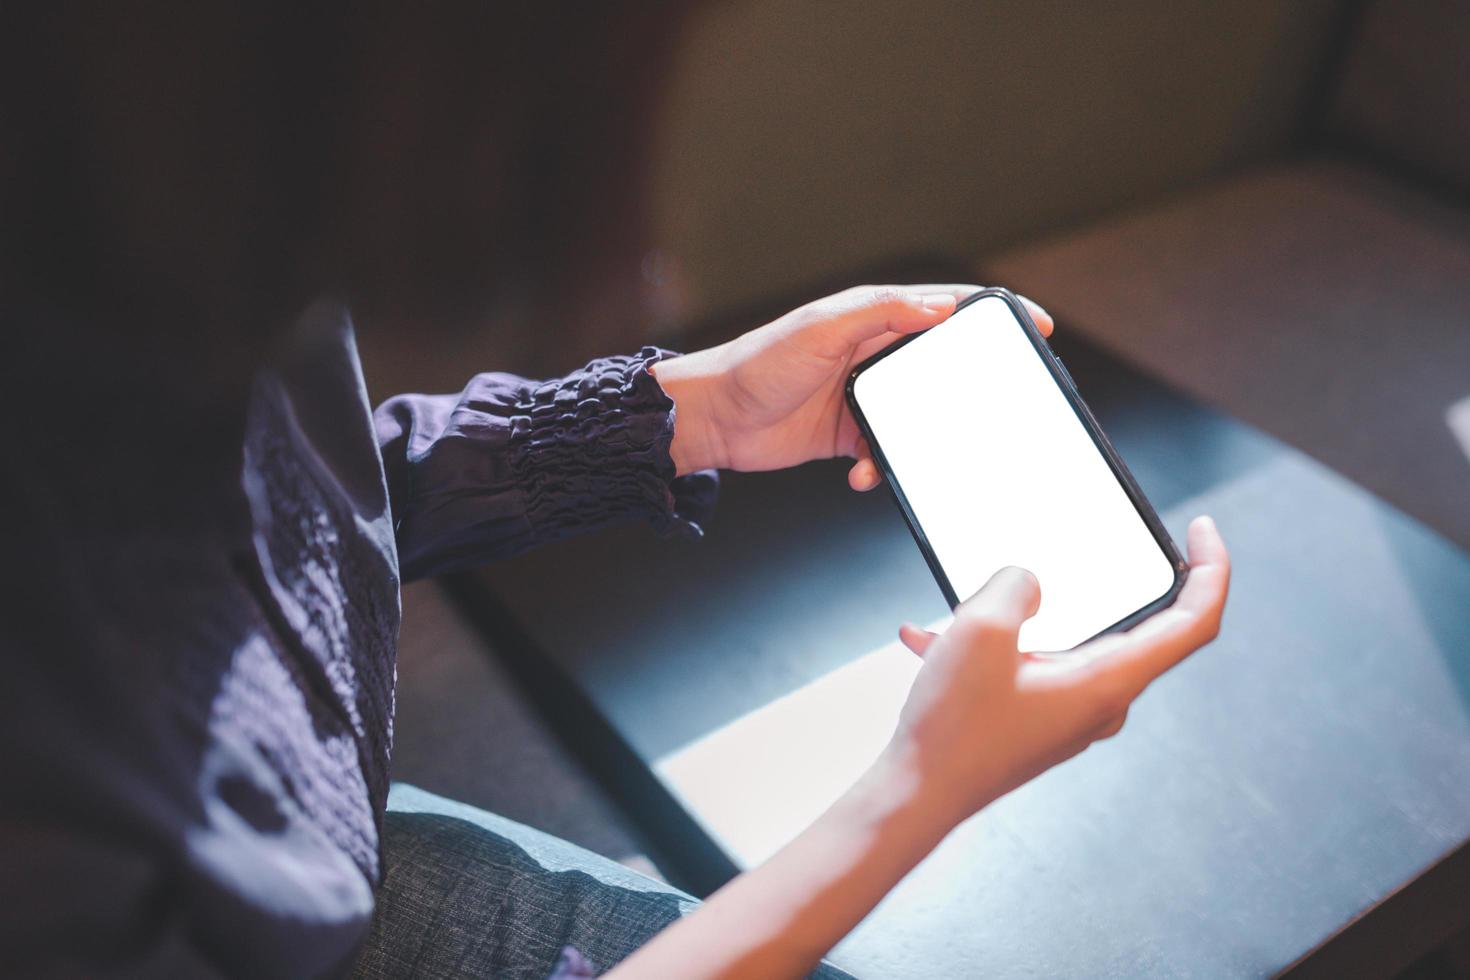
x,y
471,894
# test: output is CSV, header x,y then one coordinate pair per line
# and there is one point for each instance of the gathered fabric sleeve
x,y
510,463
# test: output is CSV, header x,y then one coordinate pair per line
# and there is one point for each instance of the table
x,y
1294,798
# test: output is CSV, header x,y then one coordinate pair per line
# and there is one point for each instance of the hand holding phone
x,y
995,460
1019,715
773,397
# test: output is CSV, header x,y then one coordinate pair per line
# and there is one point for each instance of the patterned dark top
x,y
195,735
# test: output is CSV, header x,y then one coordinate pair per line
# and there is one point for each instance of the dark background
x,y
797,142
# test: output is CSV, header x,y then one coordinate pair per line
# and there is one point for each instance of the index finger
x,y
1135,658
963,290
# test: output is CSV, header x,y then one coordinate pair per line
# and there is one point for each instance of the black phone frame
x,y
1084,414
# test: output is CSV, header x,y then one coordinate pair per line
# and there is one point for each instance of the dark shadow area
x,y
1394,940
680,849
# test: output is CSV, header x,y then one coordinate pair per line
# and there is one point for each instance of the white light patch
x,y
1457,417
755,783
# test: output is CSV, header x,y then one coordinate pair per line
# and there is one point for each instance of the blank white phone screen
x,y
998,470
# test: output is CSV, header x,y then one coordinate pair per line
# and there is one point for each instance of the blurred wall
x,y
803,138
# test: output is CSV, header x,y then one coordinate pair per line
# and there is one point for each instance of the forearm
x,y
781,918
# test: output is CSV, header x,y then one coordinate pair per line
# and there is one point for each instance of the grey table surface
x,y
1273,792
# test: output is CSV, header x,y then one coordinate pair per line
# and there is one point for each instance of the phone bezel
x,y
1063,379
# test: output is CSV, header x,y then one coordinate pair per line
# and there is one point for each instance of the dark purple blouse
x,y
196,732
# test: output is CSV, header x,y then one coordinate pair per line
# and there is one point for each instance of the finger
x,y
915,638
864,475
962,291
1209,569
1039,316
1011,597
839,322
1137,657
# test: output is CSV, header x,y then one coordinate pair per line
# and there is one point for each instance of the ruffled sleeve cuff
x,y
592,449
509,464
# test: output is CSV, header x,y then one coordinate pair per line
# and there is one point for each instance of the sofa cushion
x,y
1405,88
1320,302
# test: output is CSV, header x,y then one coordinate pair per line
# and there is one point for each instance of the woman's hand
x,y
775,397
982,717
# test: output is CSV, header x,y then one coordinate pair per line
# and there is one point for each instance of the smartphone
x,y
995,460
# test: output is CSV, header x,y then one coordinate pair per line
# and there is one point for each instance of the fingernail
x,y
938,301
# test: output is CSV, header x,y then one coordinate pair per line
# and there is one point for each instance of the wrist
x,y
689,382
937,794
898,797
